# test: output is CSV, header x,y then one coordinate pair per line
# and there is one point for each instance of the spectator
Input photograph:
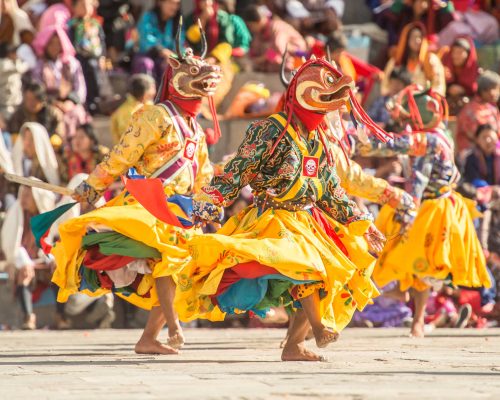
x,y
58,13
482,165
33,154
315,16
87,37
398,80
11,71
6,22
470,20
62,75
434,16
157,29
83,153
413,55
19,246
270,36
482,109
35,108
141,91
461,72
220,26
117,24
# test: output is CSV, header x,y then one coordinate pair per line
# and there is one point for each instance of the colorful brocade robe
x,y
297,173
159,143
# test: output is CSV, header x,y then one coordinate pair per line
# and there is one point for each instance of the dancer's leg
x,y
148,343
165,287
311,306
294,349
420,300
290,324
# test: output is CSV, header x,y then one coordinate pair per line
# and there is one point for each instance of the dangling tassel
x,y
381,134
213,111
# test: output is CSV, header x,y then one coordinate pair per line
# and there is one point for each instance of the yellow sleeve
x,y
141,133
358,183
115,129
206,171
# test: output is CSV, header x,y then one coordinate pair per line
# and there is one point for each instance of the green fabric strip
x,y
115,243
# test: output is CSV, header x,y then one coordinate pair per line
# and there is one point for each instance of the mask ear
x,y
174,62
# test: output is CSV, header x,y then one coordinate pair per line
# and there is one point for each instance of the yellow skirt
x,y
295,246
441,243
127,217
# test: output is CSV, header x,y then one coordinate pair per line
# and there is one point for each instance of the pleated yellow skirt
x,y
130,220
295,246
441,243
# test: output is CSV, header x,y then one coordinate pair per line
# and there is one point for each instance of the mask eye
x,y
330,79
194,70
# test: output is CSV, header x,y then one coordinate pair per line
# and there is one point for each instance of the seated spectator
x,y
11,71
270,37
33,154
413,55
83,153
482,165
434,15
35,108
315,16
61,73
220,26
482,109
117,24
157,29
398,80
87,37
461,72
19,246
142,90
470,20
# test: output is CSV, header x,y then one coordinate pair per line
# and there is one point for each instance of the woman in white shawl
x,y
19,246
33,154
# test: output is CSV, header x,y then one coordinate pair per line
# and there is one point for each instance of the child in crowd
x,y
270,36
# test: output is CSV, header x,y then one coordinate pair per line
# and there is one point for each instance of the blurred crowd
x,y
62,64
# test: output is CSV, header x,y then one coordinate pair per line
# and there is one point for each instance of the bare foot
x,y
176,340
417,329
325,337
153,347
299,353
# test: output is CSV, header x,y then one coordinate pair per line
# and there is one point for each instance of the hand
x,y
84,193
376,240
405,213
202,223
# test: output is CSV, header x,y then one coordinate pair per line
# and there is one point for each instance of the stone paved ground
x,y
244,364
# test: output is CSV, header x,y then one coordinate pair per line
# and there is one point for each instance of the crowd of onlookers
x,y
60,61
